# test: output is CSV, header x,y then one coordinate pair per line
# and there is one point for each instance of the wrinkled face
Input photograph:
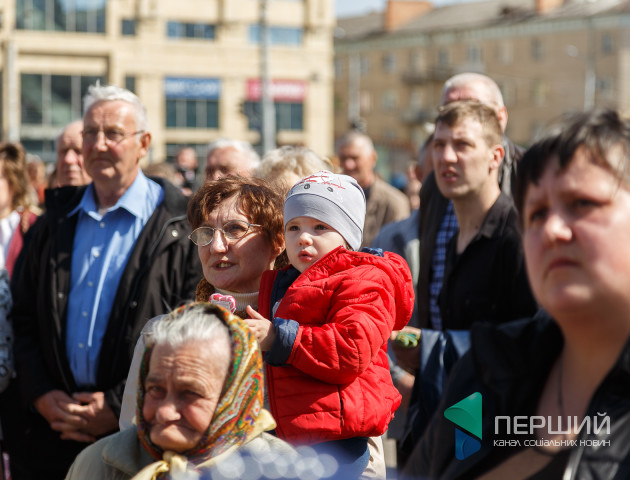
x,y
183,387
307,240
358,161
235,265
227,161
70,167
576,238
113,164
462,159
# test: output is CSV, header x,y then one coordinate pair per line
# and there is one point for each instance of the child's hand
x,y
261,327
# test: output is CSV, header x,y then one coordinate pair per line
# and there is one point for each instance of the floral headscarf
x,y
240,404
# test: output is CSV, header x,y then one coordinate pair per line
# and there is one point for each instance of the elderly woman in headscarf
x,y
199,403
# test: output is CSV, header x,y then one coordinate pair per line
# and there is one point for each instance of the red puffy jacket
x,y
334,382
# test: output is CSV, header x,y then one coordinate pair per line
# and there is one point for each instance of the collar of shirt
x,y
133,200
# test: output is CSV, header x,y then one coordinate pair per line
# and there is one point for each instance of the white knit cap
x,y
336,200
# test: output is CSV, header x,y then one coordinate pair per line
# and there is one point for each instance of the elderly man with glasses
x,y
106,258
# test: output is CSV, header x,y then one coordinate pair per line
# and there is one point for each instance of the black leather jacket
x,y
508,365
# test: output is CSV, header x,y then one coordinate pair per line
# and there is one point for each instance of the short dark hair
x,y
598,131
452,113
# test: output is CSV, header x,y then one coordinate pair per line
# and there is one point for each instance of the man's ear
x,y
497,153
145,142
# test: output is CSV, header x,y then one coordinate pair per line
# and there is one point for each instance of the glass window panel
x,y
285,35
60,18
81,21
283,116
130,83
38,18
20,15
297,116
61,99
191,113
173,29
190,30
208,32
128,27
254,34
252,112
212,114
31,99
200,112
171,113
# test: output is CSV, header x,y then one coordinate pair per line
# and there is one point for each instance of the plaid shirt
x,y
447,229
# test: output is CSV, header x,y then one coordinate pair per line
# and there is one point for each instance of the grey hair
x,y
107,93
299,160
355,136
193,324
240,146
469,79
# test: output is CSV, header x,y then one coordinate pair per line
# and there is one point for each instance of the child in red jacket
x,y
332,311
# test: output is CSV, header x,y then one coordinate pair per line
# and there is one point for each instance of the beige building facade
x,y
549,57
196,64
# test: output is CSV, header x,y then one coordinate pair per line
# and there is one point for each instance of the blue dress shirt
x,y
102,245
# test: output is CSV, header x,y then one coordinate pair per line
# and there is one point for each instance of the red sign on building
x,y
281,90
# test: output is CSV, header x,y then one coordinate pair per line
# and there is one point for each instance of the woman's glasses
x,y
232,230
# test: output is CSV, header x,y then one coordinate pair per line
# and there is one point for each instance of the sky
x,y
348,8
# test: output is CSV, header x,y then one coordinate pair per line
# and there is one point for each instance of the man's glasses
x,y
112,135
232,230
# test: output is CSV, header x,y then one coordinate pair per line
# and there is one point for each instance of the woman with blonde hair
x,y
284,166
16,211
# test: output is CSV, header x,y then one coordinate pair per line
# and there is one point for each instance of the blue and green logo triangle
x,y
466,414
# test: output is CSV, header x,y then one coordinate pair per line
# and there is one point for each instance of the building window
x,y
538,52
288,36
199,31
289,115
61,15
130,83
192,102
52,99
606,87
390,100
608,45
443,58
187,113
128,27
389,63
473,54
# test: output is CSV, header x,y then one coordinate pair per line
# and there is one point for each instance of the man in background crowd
x,y
70,166
385,204
226,156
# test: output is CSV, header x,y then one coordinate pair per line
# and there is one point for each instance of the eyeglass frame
x,y
108,141
225,236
